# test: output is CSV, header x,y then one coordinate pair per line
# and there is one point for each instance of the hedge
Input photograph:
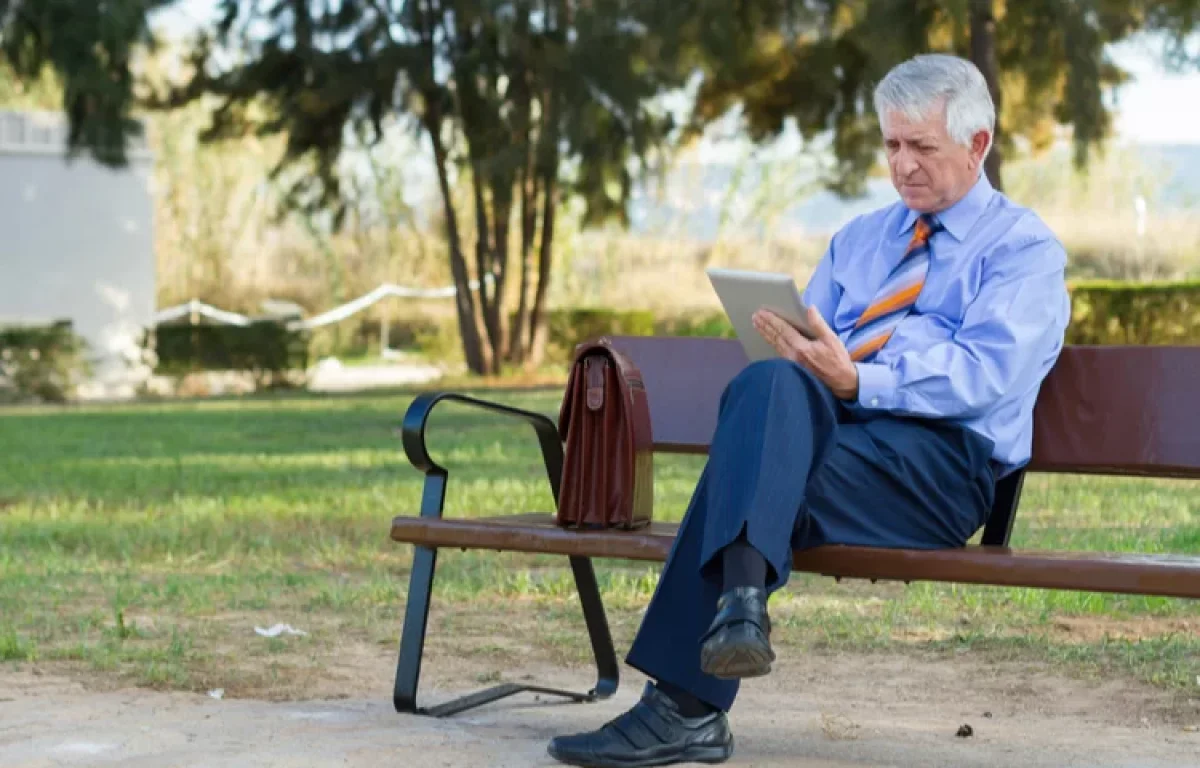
x,y
433,333
266,348
711,323
1102,313
565,328
1111,313
40,363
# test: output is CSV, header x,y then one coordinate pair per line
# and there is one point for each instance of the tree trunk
x,y
501,217
527,182
464,304
518,332
983,54
557,22
537,319
484,256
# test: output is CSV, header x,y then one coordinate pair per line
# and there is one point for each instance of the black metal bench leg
x,y
412,639
416,620
416,610
608,671
412,644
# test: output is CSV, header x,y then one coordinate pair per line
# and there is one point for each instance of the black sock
x,y
689,705
742,565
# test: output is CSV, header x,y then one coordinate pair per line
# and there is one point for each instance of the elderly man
x,y
936,320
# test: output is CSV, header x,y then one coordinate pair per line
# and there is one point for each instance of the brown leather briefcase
x,y
608,468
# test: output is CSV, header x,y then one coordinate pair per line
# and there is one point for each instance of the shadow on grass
x,y
200,481
286,444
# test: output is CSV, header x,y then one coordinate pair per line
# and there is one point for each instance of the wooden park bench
x,y
1131,411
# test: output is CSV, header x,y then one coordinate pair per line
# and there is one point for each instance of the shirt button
x,y
874,401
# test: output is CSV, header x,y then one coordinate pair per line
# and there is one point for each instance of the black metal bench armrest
x,y
415,418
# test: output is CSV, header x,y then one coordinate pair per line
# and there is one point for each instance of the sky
x,y
1157,107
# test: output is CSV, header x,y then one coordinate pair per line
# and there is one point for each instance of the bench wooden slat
x,y
1122,410
1162,575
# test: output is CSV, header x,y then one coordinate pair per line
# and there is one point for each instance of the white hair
x,y
924,83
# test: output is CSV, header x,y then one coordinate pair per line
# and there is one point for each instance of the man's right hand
x,y
825,356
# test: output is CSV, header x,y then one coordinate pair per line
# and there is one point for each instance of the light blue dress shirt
x,y
986,329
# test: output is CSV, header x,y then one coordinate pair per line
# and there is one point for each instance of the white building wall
x,y
76,242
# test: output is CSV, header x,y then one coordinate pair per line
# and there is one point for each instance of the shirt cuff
x,y
876,385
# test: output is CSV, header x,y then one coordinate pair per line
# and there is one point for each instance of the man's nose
x,y
905,163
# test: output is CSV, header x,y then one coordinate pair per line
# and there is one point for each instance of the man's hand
x,y
825,356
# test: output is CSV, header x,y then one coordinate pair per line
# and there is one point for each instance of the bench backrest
x,y
1108,410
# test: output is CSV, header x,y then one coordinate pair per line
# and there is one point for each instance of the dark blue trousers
x,y
794,468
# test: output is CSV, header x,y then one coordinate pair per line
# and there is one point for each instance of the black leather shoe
x,y
738,642
651,733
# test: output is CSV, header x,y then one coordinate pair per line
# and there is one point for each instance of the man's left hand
x,y
825,356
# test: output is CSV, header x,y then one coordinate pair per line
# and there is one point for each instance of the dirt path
x,y
842,711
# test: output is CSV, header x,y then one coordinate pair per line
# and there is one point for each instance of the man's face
x,y
930,170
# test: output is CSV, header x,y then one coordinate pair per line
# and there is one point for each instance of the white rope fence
x,y
195,308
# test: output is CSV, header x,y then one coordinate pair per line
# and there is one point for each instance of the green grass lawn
x,y
144,543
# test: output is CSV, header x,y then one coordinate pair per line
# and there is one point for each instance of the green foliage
x,y
569,327
817,63
40,363
90,46
40,93
433,335
587,69
800,63
1176,19
710,324
1105,312
266,348
14,647
583,67
438,341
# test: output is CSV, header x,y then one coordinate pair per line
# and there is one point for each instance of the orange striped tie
x,y
896,296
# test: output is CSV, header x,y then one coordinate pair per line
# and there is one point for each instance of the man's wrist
x,y
848,390
876,384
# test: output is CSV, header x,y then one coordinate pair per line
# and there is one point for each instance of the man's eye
x,y
926,148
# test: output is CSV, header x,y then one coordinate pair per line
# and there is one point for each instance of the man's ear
x,y
979,145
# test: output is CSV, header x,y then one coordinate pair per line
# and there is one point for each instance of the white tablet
x,y
744,292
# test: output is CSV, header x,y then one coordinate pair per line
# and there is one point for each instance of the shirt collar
x,y
960,217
